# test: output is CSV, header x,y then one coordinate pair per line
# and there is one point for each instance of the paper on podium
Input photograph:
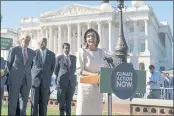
x,y
91,79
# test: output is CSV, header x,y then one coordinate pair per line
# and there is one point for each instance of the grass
x,y
52,110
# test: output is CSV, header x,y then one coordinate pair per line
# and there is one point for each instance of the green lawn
x,y
53,110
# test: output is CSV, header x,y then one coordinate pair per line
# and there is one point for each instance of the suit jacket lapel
x,y
71,60
47,57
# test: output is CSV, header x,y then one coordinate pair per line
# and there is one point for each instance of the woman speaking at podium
x,y
89,60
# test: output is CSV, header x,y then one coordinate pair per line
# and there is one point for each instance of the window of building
x,y
131,29
141,66
142,29
142,46
162,68
131,46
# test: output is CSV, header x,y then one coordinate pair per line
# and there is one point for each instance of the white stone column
x,y
38,36
99,32
60,39
69,37
79,41
42,32
51,45
89,24
146,22
72,51
46,35
65,36
136,48
83,34
136,45
102,37
110,35
55,41
37,39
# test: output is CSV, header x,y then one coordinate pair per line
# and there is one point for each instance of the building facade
x,y
149,41
9,33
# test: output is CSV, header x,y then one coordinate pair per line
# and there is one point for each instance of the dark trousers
x,y
1,98
66,95
18,92
18,107
39,96
154,94
58,96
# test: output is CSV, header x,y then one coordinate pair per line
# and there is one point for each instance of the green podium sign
x,y
106,83
124,81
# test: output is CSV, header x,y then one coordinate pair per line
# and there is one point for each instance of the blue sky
x,y
13,11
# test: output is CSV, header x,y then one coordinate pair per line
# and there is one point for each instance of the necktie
x,y
25,56
67,60
43,56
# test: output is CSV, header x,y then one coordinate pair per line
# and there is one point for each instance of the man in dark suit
x,y
18,72
65,79
2,79
42,70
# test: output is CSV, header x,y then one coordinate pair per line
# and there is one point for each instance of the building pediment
x,y
72,10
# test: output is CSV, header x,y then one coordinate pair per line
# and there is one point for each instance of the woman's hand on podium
x,y
2,73
98,82
93,74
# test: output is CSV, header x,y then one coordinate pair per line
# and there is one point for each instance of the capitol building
x,y
149,41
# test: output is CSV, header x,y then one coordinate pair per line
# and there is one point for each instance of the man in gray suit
x,y
18,72
65,79
42,70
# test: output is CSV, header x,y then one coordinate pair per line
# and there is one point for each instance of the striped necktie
x,y
67,60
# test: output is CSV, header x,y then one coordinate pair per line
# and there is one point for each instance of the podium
x,y
122,80
105,80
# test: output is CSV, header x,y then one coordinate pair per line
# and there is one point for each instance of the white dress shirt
x,y
44,54
68,56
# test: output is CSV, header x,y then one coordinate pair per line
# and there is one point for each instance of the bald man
x,y
42,70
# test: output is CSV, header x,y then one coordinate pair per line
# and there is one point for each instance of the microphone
x,y
109,60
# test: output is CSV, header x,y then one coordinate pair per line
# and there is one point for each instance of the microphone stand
x,y
111,65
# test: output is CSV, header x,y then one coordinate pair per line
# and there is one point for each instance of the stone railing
x,y
139,106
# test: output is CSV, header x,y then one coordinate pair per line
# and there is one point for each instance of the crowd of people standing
x,y
28,70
